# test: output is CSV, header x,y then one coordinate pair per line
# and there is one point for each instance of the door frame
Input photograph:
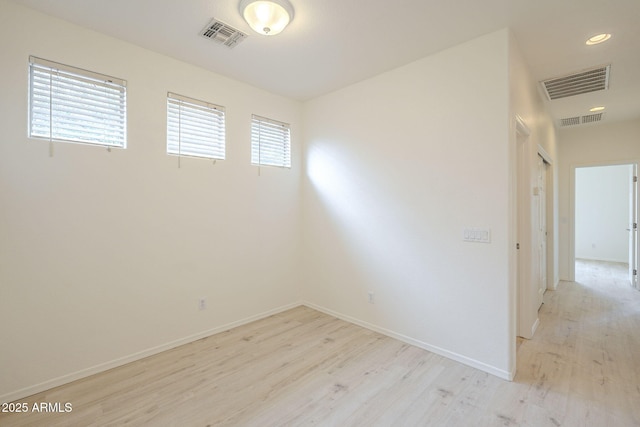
x,y
541,217
633,228
552,280
526,319
526,273
572,208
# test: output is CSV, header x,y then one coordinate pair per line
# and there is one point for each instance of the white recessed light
x,y
598,38
594,109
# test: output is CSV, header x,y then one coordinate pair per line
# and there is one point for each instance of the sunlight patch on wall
x,y
382,233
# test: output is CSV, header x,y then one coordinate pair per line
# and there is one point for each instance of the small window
x,y
195,128
74,105
270,142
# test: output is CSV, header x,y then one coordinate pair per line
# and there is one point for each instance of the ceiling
x,y
333,43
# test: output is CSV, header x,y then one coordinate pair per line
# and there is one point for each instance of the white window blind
x,y
74,105
270,142
195,128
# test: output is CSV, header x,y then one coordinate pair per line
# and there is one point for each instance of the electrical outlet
x,y
202,304
371,298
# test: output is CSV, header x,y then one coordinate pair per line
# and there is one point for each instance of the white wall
x,y
397,166
602,213
604,144
103,256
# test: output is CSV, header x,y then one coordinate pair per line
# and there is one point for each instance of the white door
x,y
541,222
633,227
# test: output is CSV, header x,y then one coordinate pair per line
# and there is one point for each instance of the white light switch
x,y
476,234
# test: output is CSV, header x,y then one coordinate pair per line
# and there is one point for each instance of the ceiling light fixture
x,y
267,17
599,38
594,109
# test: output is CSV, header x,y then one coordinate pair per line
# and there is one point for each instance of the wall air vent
x,y
586,81
222,33
582,120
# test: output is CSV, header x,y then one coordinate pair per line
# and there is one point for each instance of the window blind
x,y
195,128
270,142
74,105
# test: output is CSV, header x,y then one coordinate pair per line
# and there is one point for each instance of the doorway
x,y
605,216
534,244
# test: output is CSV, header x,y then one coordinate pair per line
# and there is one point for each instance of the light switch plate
x,y
476,234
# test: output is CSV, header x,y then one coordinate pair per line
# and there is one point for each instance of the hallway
x,y
584,361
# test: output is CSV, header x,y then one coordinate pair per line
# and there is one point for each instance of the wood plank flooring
x,y
302,367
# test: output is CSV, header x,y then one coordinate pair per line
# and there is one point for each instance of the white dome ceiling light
x,y
267,17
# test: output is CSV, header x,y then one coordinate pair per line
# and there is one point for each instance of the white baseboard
x,y
65,379
617,261
500,373
534,328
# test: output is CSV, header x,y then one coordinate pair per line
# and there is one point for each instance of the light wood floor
x,y
302,367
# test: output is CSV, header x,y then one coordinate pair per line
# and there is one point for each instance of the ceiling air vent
x,y
222,33
570,121
586,81
592,118
583,120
